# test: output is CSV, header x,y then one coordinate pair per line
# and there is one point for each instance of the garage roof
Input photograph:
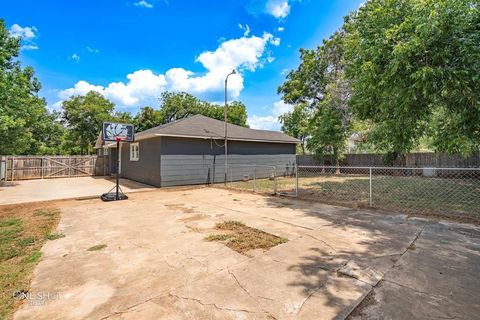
x,y
199,126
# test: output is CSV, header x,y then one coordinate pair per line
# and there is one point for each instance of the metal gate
x,y
44,167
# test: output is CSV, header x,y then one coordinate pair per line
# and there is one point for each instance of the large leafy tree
x,y
84,116
178,105
26,126
319,84
296,123
147,118
414,66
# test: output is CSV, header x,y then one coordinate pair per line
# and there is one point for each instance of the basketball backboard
x,y
113,131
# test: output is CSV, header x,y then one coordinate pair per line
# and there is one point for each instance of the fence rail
x,y
44,167
452,192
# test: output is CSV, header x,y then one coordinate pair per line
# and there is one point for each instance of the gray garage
x,y
191,151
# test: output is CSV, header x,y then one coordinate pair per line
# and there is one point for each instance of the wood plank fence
x,y
45,167
411,160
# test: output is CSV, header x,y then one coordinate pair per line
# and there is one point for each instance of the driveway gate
x,y
43,167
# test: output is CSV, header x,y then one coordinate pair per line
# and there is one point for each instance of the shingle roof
x,y
199,126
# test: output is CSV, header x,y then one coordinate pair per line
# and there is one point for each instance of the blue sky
x,y
131,51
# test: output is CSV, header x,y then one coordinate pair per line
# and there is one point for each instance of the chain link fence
x,y
256,178
452,192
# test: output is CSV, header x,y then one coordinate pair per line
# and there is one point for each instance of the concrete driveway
x,y
338,262
63,188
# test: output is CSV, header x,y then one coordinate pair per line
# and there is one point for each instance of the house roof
x,y
199,126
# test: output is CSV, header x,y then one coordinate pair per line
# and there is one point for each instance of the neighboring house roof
x,y
199,126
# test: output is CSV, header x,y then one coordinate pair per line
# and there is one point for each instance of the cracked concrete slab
x,y
158,265
335,300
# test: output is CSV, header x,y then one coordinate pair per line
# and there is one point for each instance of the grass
x,y
241,238
55,236
97,247
23,231
448,197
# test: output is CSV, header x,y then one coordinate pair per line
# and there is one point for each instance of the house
x,y
191,151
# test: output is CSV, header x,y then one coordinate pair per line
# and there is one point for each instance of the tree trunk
x,y
337,162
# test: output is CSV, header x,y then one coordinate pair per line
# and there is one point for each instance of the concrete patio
x,y
338,262
63,188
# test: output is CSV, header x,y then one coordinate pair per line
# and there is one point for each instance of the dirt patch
x,y
24,228
179,206
194,218
241,238
97,247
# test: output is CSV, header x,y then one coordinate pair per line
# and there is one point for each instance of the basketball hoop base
x,y
112,196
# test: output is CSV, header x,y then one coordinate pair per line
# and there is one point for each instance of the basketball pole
x,y
117,197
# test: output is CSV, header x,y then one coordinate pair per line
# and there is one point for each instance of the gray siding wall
x,y
202,169
147,168
170,161
200,161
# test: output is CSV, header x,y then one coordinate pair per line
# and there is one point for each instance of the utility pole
x,y
225,114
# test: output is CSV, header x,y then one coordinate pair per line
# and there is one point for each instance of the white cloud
x,y
92,50
280,29
80,88
143,4
245,28
281,107
276,41
75,57
270,122
278,8
29,47
144,87
263,122
28,34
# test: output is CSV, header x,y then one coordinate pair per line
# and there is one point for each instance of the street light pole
x,y
225,114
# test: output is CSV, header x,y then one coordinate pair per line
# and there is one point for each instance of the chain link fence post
x,y
254,178
274,180
370,199
296,180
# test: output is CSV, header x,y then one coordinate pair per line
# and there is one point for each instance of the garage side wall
x,y
187,161
147,168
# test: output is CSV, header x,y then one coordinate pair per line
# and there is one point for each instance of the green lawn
x,y
450,197
23,231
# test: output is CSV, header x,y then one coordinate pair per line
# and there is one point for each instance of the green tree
x,y
178,105
26,126
414,66
122,117
84,116
320,84
147,118
296,123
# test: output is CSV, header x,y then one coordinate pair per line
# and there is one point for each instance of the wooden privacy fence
x,y
44,167
414,160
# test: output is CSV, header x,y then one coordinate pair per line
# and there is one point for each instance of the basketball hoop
x,y
117,132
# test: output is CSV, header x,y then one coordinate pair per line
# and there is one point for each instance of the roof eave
x,y
217,138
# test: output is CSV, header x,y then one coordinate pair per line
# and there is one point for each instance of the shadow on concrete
x,y
372,247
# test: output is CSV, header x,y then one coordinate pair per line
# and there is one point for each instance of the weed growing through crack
x,y
97,247
242,238
55,236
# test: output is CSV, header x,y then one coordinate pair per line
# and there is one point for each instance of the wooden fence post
x,y
13,168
